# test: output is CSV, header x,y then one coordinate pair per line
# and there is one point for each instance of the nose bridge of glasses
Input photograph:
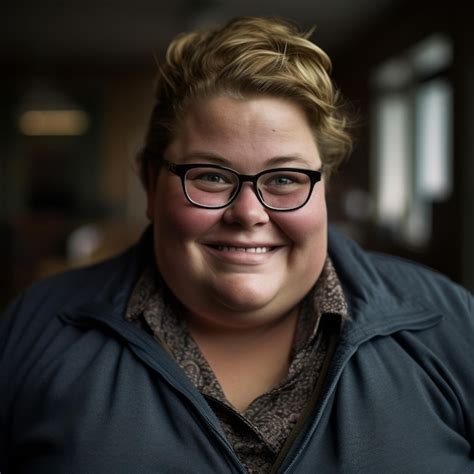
x,y
249,178
252,180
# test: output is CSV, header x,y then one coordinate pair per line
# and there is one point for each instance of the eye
x,y
210,180
211,177
280,180
284,182
285,178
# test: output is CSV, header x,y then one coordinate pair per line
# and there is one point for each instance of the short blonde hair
x,y
248,56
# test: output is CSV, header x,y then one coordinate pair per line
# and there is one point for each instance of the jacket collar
x,y
379,299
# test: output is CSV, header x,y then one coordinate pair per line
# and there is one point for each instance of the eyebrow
x,y
285,160
212,157
220,160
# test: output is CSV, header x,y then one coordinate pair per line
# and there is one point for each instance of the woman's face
x,y
199,252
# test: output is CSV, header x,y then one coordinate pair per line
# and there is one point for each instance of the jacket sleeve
x,y
467,339
454,345
8,334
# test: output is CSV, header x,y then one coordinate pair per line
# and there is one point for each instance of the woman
x,y
232,338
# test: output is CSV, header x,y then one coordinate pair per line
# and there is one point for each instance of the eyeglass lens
x,y
213,187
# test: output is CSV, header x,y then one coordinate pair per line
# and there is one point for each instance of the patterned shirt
x,y
259,432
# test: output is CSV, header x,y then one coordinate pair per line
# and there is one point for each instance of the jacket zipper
x,y
310,407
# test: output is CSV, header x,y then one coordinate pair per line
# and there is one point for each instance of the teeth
x,y
244,249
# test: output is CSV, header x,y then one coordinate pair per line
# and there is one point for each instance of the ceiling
x,y
125,32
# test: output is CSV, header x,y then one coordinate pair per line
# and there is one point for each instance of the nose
x,y
246,209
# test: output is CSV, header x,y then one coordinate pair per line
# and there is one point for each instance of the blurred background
x,y
76,93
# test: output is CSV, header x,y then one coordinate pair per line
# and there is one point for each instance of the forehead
x,y
245,131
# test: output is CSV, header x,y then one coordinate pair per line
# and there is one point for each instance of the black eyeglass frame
x,y
181,170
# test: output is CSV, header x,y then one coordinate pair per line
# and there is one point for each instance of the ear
x,y
151,184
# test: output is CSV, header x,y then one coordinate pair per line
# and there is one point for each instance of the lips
x,y
259,249
248,253
241,255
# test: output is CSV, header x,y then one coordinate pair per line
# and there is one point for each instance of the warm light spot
x,y
53,122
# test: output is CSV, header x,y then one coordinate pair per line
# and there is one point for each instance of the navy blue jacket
x,y
84,391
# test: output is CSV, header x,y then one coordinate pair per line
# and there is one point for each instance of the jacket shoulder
x,y
368,274
419,281
36,309
77,285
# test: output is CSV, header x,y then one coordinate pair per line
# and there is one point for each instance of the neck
x,y
247,361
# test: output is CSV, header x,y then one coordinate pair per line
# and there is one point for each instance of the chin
x,y
237,316
241,303
243,292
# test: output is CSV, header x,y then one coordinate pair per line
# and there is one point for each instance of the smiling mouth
x,y
225,248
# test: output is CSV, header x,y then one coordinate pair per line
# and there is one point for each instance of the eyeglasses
x,y
215,187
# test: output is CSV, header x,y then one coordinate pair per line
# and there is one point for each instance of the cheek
x,y
175,219
186,223
306,227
